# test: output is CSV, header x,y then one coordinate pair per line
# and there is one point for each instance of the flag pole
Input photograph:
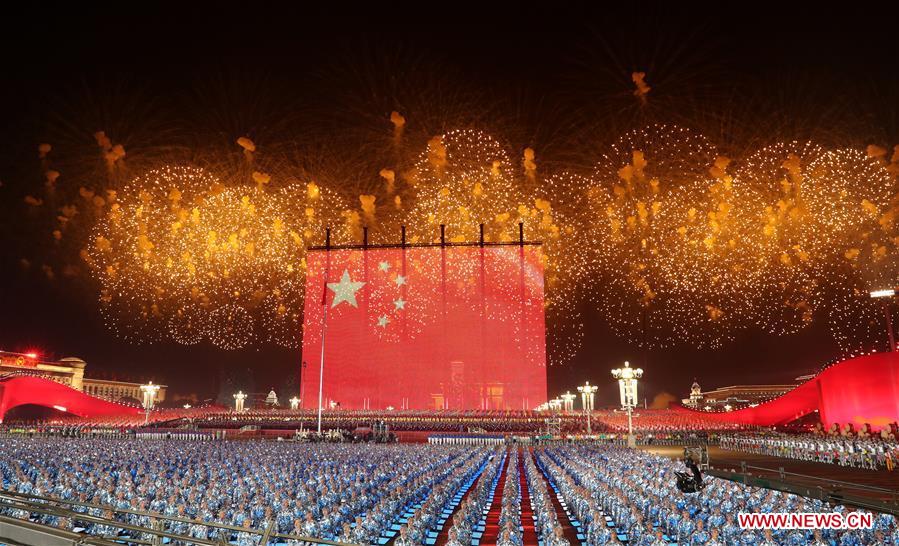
x,y
321,368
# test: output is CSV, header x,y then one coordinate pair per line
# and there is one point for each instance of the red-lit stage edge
x,y
21,390
859,390
442,326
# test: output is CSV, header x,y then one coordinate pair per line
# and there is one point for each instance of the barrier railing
x,y
12,503
830,490
468,439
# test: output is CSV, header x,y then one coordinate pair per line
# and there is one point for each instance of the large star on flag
x,y
345,290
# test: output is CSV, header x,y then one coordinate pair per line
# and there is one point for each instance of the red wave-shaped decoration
x,y
861,390
21,390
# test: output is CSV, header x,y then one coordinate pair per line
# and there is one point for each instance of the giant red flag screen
x,y
441,327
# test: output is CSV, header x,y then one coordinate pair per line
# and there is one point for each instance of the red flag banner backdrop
x,y
436,327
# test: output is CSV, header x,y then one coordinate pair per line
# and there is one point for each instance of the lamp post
x,y
294,403
884,296
555,404
149,391
568,401
238,401
587,393
627,387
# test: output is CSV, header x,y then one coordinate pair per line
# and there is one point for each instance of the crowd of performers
x,y
616,492
398,420
510,531
548,526
872,452
470,515
470,519
652,425
358,493
346,492
658,421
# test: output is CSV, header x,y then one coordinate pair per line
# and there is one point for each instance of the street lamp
x,y
294,403
238,401
555,404
149,391
568,401
627,387
587,393
885,296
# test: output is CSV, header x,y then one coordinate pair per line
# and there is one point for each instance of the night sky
x,y
555,79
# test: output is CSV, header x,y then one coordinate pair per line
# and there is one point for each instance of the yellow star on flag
x,y
345,290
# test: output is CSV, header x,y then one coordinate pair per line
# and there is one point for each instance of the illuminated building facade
x,y
734,395
69,371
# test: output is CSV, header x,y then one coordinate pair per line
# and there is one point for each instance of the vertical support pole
x,y
645,339
886,312
403,293
485,392
364,297
303,383
321,368
631,442
451,390
522,321
403,236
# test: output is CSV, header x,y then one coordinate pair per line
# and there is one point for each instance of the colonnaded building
x,y
70,371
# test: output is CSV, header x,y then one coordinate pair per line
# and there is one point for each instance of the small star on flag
x,y
384,266
383,321
345,290
399,304
400,280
